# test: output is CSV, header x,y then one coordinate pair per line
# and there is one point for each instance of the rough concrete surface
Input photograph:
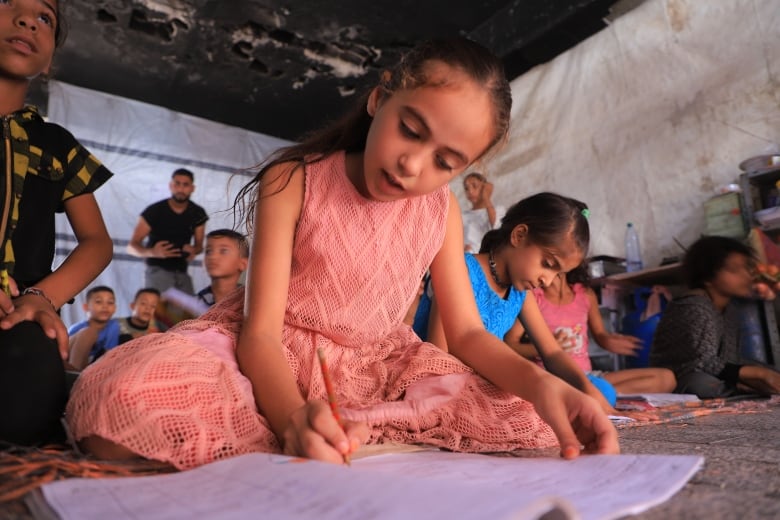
x,y
741,474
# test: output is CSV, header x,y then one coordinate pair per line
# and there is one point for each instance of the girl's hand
x,y
765,290
486,193
621,344
761,379
313,432
31,307
565,340
596,394
577,419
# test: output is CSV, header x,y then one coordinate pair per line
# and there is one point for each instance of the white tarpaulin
x,y
142,145
646,119
643,122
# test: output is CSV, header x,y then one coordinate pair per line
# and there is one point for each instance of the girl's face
x,y
530,266
27,29
472,187
420,139
735,278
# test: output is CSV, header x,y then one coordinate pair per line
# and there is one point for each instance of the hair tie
x,y
585,213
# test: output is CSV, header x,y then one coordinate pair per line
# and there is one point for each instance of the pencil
x,y
334,407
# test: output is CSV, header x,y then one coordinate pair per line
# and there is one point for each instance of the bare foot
x,y
105,449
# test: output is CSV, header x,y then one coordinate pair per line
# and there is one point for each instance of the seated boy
x,y
91,338
227,256
141,320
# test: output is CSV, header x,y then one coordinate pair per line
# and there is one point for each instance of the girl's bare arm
x,y
617,343
259,350
302,428
555,359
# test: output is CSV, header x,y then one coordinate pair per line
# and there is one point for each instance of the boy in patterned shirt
x,y
43,170
141,321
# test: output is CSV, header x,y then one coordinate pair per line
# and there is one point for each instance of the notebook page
x,y
436,484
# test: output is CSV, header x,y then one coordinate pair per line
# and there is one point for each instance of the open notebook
x,y
430,484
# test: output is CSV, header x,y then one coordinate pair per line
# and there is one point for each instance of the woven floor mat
x,y
686,411
23,469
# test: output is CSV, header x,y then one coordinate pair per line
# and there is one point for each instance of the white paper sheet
x,y
433,484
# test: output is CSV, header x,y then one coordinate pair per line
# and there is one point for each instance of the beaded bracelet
x,y
38,292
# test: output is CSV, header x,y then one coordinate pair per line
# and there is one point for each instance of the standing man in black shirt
x,y
169,227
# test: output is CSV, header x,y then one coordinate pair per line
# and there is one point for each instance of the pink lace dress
x,y
179,396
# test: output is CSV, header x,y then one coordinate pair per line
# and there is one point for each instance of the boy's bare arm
x,y
87,260
80,345
90,256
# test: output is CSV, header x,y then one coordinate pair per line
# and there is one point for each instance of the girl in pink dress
x,y
345,224
571,310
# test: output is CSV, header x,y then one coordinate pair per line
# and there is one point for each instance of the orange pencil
x,y
331,395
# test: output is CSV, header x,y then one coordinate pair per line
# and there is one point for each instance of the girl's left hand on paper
x,y
313,432
576,418
31,307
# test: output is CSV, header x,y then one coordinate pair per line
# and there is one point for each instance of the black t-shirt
x,y
52,167
128,330
206,296
176,228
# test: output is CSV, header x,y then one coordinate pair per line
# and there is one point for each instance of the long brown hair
x,y
349,133
61,29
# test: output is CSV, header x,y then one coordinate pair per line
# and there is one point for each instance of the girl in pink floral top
x,y
571,311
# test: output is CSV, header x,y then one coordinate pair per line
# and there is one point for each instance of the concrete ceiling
x,y
285,67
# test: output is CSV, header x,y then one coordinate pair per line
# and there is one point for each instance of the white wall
x,y
647,118
142,145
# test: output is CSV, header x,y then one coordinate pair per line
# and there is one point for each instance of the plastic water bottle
x,y
633,256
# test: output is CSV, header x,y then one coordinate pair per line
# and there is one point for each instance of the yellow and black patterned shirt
x,y
41,166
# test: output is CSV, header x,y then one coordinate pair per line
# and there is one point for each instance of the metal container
x,y
761,163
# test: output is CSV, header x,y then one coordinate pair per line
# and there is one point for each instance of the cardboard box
x,y
723,216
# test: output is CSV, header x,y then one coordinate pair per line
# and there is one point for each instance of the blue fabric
x,y
605,387
498,314
422,315
108,338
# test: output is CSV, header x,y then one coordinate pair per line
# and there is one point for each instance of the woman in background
x,y
698,335
483,216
